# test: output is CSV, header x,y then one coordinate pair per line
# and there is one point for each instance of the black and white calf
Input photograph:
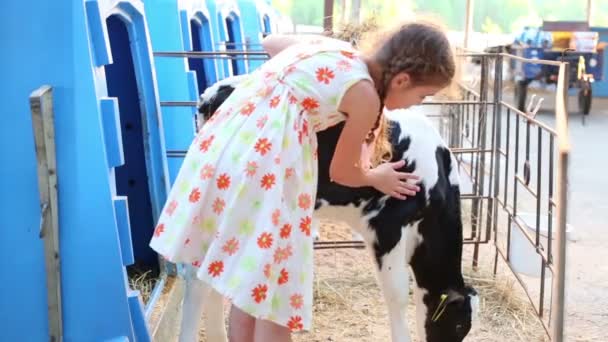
x,y
424,232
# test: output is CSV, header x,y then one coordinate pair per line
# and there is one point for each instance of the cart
x,y
570,42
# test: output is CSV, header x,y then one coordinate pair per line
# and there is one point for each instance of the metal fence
x,y
503,154
517,167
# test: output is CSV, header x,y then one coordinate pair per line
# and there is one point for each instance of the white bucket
x,y
522,253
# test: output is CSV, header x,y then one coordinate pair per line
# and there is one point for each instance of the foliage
x,y
489,16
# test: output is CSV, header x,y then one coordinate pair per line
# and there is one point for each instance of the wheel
x,y
521,92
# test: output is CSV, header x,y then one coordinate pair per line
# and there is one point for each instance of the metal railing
x,y
508,154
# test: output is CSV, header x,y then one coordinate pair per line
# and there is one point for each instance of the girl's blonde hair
x,y
419,48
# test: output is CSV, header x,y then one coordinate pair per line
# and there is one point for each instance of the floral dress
x,y
241,207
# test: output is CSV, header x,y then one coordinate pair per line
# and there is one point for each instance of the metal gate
x,y
503,154
517,166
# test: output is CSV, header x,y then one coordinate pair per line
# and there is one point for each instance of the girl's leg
x,y
268,331
241,326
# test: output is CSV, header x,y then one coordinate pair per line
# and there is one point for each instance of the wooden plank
x,y
41,105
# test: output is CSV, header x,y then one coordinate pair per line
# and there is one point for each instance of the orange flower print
x,y
262,121
325,75
347,54
223,181
305,225
252,167
344,66
231,246
284,277
259,293
292,99
296,301
267,270
171,207
263,146
285,231
274,102
289,172
218,205
207,172
295,323
216,268
305,127
303,132
159,230
196,264
304,201
268,181
248,109
276,216
205,144
309,103
265,240
195,195
282,254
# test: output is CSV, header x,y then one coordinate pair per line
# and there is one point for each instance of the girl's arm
x,y
361,103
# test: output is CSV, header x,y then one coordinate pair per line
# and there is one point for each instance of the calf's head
x,y
449,315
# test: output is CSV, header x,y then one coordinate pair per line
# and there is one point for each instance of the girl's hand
x,y
386,179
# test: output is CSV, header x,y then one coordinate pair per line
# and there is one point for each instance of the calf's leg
x,y
393,277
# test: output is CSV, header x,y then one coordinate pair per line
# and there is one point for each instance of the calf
x,y
424,232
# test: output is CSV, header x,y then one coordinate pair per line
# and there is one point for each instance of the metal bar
x,y
465,196
523,183
527,235
541,296
557,318
531,61
460,150
493,223
176,153
527,117
524,287
506,154
515,166
481,158
178,103
455,102
156,292
194,54
339,244
549,205
41,106
538,184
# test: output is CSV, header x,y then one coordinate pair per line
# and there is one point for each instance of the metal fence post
x,y
557,315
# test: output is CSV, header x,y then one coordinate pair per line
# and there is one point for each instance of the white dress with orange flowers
x,y
241,207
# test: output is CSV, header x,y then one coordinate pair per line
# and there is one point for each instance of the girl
x,y
241,207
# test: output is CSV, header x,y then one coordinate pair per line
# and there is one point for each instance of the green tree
x,y
492,15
